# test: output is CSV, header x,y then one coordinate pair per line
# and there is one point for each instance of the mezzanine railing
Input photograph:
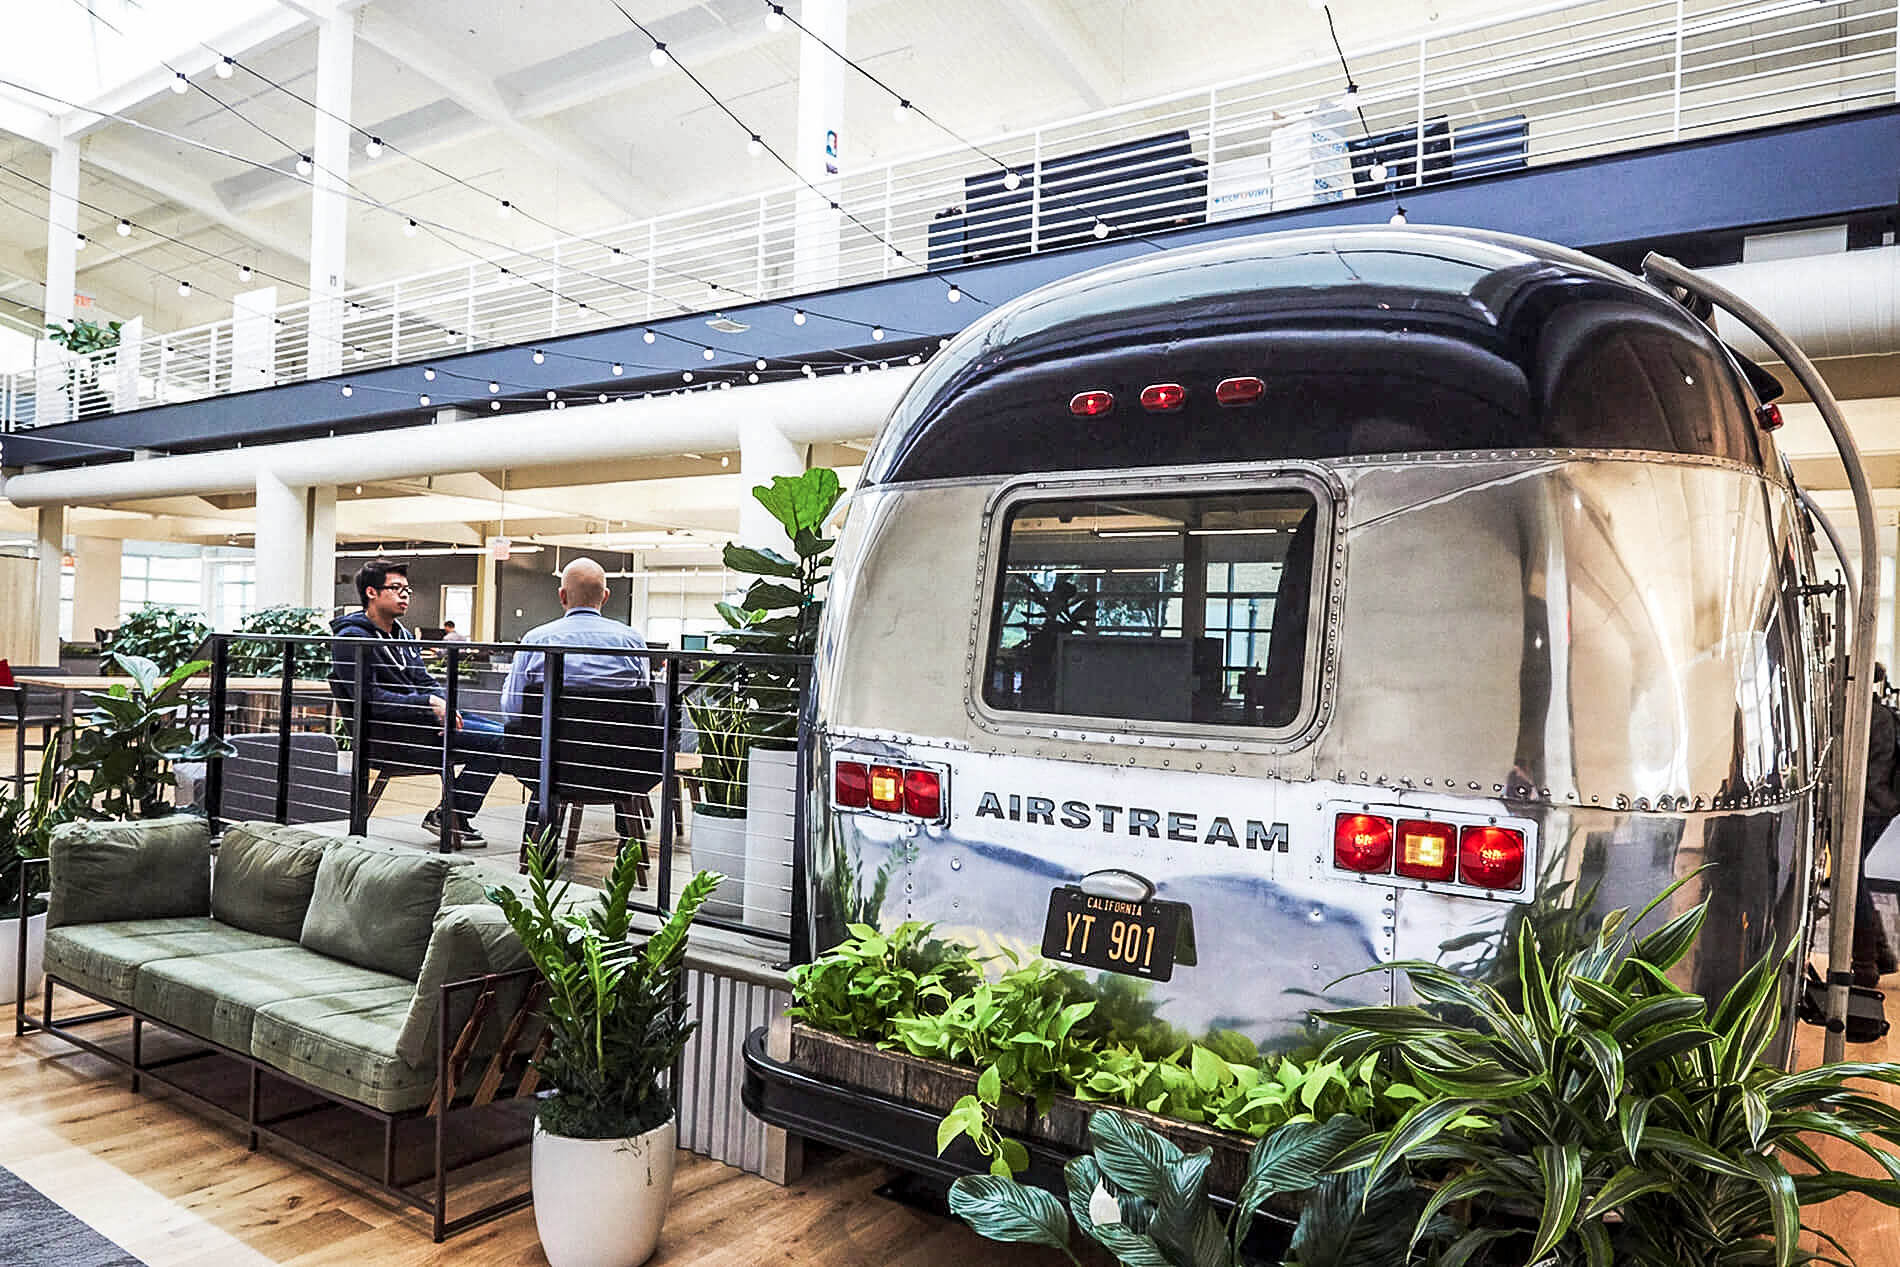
x,y
1560,82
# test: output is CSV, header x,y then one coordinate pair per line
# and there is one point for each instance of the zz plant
x,y
1635,1123
616,1020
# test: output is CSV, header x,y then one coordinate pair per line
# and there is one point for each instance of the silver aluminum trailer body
x,y
1455,541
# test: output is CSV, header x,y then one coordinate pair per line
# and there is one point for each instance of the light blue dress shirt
x,y
580,627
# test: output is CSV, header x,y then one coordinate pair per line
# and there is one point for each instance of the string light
x,y
659,55
79,241
1011,180
350,391
752,378
423,399
493,387
647,336
759,364
180,84
798,317
955,295
1398,217
409,229
686,376
223,68
619,369
775,20
244,272
373,148
706,354
495,405
504,209
901,111
603,398
1100,230
540,357
304,166
807,371
125,228
184,289
429,374
357,354
551,395
877,333
560,404
755,146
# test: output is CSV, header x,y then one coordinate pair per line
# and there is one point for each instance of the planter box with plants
x,y
1586,1110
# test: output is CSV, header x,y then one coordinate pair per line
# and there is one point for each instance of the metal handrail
x,y
1585,83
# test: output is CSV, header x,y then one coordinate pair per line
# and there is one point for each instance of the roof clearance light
x,y
923,794
851,785
1091,404
1362,843
1234,392
1768,417
1163,398
1427,851
1491,857
887,789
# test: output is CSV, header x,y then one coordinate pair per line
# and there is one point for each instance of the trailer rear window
x,y
1178,609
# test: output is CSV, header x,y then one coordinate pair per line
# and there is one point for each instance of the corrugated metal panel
x,y
713,1120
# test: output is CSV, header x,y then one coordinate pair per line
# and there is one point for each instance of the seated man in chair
x,y
608,727
407,706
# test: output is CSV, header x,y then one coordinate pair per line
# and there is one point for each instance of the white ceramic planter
x,y
719,845
771,797
10,957
600,1202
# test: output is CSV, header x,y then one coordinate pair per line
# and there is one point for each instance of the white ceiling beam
x,y
266,31
576,157
196,198
1064,47
17,118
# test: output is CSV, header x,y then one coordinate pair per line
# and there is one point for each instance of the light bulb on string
x,y
244,272
560,404
798,317
357,354
759,364
180,84
125,228
373,148
706,354
79,241
540,357
752,377
493,387
1398,217
686,376
223,68
1100,230
429,374
646,336
603,398
725,387
877,333
303,165
914,359
775,20
423,399
495,405
808,371
551,395
1011,180
755,146
1379,172
504,209
659,56
619,369
409,229
349,391
184,289
901,111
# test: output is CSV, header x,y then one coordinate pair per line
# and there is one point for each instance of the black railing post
x,y
669,793
801,784
553,674
286,700
449,819
214,764
359,739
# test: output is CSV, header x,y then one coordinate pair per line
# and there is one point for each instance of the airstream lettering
x,y
1492,609
1182,825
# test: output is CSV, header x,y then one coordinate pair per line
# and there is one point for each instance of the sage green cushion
x,y
375,908
217,996
104,959
468,941
264,875
345,1043
157,868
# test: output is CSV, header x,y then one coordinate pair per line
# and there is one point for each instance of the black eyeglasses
x,y
400,591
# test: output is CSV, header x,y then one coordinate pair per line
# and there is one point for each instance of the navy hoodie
x,y
399,685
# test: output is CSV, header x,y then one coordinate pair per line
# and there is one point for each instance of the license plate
x,y
1136,939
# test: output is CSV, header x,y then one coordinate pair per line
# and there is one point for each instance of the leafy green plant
x,y
719,711
1146,1202
1635,1123
615,1015
133,734
27,823
162,635
266,659
863,987
81,337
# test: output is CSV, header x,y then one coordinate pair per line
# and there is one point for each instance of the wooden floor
x,y
173,1188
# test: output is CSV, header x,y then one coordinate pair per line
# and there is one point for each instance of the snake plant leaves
x,y
1004,1210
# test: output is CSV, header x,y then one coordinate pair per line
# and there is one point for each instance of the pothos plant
x,y
132,735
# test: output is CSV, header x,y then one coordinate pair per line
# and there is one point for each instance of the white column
x,y
764,452
62,224
51,522
819,152
320,566
98,568
283,542
329,202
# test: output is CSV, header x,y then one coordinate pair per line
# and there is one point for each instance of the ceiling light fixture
x,y
180,84
956,295
244,272
659,55
429,373
495,405
493,387
79,241
125,228
775,20
901,111
303,165
686,376
373,147
540,357
504,208
184,289
350,391
423,399
223,68
646,336
619,369
798,317
409,229
755,146
1398,217
706,354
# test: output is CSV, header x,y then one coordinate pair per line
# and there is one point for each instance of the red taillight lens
x,y
1239,391
1426,851
1363,843
851,785
1768,417
1163,398
1491,857
1091,404
923,794
887,788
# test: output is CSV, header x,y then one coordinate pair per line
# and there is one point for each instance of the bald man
x,y
583,593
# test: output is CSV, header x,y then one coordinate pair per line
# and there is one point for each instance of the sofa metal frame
x,y
498,1084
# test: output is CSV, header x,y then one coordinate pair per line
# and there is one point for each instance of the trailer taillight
x,y
1491,857
851,785
1163,398
1091,404
1768,417
887,788
1426,850
1234,392
1362,843
923,794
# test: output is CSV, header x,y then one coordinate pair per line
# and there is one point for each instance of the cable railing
x,y
579,752
1557,83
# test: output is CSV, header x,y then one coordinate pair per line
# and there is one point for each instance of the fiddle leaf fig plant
x,y
133,734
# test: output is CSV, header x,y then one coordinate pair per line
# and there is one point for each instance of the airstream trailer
x,y
1232,619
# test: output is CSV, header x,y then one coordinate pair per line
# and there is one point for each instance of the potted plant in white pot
x,y
718,711
779,615
604,1139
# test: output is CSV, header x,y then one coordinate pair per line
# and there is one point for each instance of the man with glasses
x,y
407,709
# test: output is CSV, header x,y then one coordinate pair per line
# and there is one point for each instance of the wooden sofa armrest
x,y
455,1049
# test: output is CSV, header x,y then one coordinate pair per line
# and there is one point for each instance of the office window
x,y
167,580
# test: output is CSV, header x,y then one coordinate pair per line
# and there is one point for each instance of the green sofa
x,y
327,960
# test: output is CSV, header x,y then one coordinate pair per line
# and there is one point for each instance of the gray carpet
x,y
36,1232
